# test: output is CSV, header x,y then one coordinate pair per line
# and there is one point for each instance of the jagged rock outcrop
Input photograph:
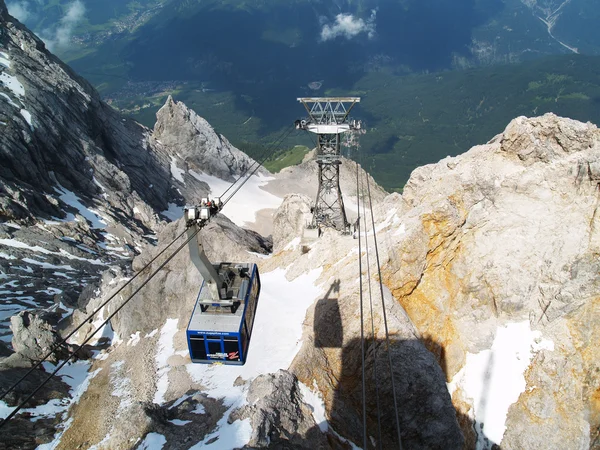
x,y
192,139
278,415
34,335
507,234
56,130
290,220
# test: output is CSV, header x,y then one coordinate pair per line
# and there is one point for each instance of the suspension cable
x,y
56,346
61,365
260,163
362,333
387,336
375,377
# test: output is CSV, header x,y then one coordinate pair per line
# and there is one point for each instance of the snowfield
x,y
495,378
250,199
273,346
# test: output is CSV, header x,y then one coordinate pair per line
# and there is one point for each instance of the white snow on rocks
x,y
12,84
273,346
152,441
27,116
43,265
165,350
179,422
121,386
134,339
247,201
4,59
9,100
75,375
71,199
18,244
312,397
494,379
176,172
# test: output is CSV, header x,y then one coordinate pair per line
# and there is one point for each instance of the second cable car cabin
x,y
221,324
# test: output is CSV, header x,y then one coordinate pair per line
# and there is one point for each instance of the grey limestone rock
x,y
290,220
34,335
279,416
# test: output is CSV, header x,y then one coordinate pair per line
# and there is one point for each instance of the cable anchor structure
x,y
328,118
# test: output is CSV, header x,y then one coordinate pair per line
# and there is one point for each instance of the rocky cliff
x,y
489,271
490,284
493,255
83,188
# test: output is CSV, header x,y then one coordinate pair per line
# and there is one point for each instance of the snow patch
x,y
247,201
176,172
152,333
134,339
165,351
27,116
152,441
12,84
10,101
43,265
18,244
72,200
293,244
494,379
4,60
121,386
199,409
312,397
234,435
5,256
273,346
179,422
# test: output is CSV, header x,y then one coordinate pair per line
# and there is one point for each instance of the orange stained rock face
x,y
430,306
463,411
586,337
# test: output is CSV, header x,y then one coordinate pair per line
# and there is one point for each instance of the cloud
x,y
60,37
348,26
19,10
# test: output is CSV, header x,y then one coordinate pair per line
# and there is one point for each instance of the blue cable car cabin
x,y
218,333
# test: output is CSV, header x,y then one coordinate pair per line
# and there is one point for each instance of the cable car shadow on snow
x,y
428,419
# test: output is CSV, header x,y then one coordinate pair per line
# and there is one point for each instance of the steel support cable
x,y
362,332
375,376
387,336
61,365
259,165
89,317
264,156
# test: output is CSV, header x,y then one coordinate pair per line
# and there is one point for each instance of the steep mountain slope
x,y
81,187
489,265
79,184
487,287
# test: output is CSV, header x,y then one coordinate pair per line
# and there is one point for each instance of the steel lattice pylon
x,y
328,119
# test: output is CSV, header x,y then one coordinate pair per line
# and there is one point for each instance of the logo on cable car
x,y
231,356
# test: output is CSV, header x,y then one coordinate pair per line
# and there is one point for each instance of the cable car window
x,y
197,347
251,308
244,339
214,349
